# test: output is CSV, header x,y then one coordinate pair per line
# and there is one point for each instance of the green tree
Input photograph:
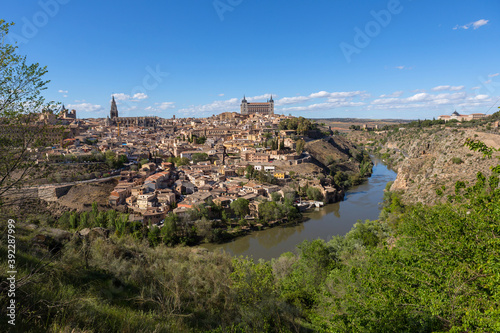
x,y
341,179
289,197
21,103
153,235
73,221
199,157
270,211
314,193
299,146
256,297
204,229
302,286
240,207
276,196
182,161
249,171
169,230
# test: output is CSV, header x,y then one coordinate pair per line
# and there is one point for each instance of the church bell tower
x,y
113,113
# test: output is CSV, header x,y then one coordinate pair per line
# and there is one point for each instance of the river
x,y
360,203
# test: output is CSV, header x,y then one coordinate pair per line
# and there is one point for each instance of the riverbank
x,y
360,203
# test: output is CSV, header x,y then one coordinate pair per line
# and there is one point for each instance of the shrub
x,y
457,160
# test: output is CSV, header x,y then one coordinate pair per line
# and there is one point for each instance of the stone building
x,y
257,108
114,119
462,117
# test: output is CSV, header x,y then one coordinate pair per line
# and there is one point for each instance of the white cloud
x,y
324,106
63,91
418,97
320,94
121,97
292,100
220,95
403,67
447,87
135,98
259,98
480,97
436,101
230,105
86,107
474,25
479,23
159,107
440,88
331,96
166,105
475,88
333,100
394,94
493,75
382,101
140,96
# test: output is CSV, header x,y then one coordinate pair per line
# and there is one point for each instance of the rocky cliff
x,y
435,158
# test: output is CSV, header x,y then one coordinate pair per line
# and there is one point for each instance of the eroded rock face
x,y
93,233
336,150
436,160
400,184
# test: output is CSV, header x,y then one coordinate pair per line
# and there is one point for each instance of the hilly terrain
x,y
334,151
430,160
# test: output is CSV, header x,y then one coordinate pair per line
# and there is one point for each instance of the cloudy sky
x,y
319,59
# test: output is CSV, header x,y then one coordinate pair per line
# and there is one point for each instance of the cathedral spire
x,y
113,113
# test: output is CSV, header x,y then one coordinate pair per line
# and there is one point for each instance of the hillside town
x,y
170,166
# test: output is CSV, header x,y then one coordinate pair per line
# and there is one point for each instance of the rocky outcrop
x,y
334,150
436,160
94,233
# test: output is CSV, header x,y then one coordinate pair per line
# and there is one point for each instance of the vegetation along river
x,y
360,203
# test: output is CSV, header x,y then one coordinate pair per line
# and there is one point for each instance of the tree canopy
x,y
21,102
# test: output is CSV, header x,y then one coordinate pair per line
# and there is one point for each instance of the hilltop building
x,y
67,114
257,108
462,117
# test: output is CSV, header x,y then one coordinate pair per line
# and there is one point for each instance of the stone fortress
x,y
257,108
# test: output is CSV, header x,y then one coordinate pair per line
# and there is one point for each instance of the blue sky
x,y
319,59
